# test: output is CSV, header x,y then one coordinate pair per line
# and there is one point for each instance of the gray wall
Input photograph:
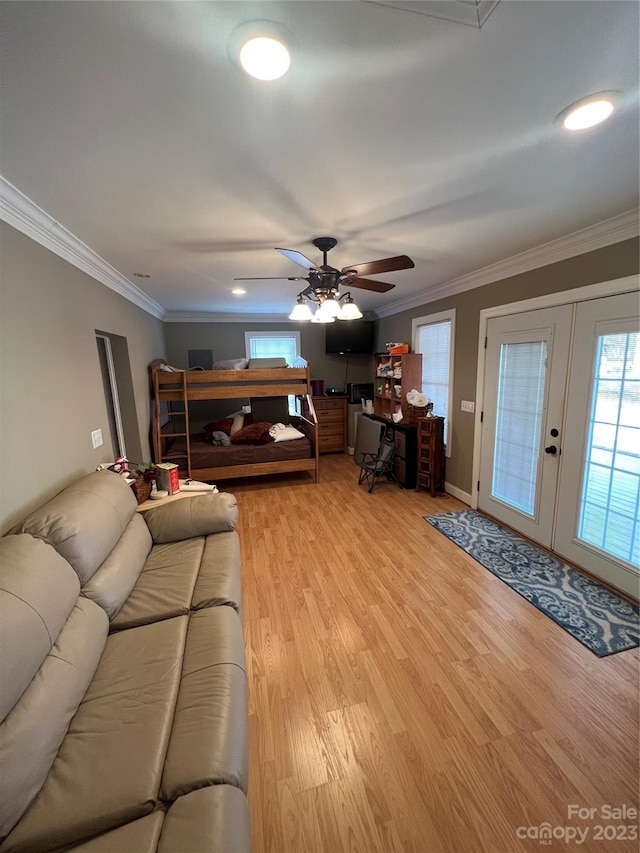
x,y
617,261
227,341
51,393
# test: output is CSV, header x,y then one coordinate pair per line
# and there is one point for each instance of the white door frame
x,y
113,390
578,294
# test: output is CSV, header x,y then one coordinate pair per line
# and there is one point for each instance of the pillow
x,y
231,364
220,439
280,432
220,426
258,363
253,434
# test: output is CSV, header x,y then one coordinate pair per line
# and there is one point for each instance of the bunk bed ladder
x,y
175,395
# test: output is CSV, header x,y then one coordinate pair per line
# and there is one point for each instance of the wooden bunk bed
x,y
173,440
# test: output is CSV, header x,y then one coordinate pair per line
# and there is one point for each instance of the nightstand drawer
x,y
330,416
331,428
327,404
330,442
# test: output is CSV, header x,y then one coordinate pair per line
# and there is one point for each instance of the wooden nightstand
x,y
431,454
332,424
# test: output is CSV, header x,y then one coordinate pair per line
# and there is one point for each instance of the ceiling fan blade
x,y
367,284
273,278
298,258
400,262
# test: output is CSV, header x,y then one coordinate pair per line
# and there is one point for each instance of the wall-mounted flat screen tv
x,y
350,337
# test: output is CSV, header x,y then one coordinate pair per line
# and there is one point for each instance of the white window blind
x,y
521,383
610,508
273,345
434,341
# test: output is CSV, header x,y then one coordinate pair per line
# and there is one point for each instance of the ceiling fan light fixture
x,y
588,112
301,311
322,315
331,307
349,310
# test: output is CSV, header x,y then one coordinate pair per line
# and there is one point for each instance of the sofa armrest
x,y
198,515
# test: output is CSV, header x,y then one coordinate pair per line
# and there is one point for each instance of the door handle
x,y
551,450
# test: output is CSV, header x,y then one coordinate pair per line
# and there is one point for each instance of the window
x,y
433,337
609,512
519,408
275,345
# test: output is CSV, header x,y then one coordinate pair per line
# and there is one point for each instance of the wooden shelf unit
x,y
331,413
390,391
431,454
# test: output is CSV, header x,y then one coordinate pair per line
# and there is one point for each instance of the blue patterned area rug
x,y
600,619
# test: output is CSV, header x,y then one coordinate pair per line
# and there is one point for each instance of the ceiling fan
x,y
324,281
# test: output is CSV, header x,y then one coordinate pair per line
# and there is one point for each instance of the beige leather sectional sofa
x,y
123,688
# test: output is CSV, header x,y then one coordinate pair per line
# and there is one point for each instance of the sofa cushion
x,y
32,737
84,521
138,836
212,820
38,591
165,586
182,576
219,579
208,743
111,584
108,769
214,512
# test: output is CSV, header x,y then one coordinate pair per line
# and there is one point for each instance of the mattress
x,y
206,455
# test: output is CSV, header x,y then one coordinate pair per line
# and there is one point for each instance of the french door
x,y
525,380
560,458
598,515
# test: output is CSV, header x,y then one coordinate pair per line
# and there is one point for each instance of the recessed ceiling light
x,y
588,112
265,58
238,291
262,49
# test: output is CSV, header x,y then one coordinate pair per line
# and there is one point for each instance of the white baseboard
x,y
465,497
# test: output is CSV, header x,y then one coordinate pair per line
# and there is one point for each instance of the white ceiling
x,y
394,131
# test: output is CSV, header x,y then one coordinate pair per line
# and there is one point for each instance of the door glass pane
x,y
609,512
521,384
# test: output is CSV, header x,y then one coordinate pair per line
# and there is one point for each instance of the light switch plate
x,y
96,438
467,406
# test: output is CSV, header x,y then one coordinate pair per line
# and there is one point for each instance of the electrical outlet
x,y
96,438
467,406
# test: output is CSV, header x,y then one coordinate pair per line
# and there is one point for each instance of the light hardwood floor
x,y
401,697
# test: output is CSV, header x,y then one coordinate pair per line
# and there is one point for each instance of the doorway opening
x,y
122,418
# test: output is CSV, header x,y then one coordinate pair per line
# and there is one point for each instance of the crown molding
x,y
222,317
20,212
605,233
17,210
